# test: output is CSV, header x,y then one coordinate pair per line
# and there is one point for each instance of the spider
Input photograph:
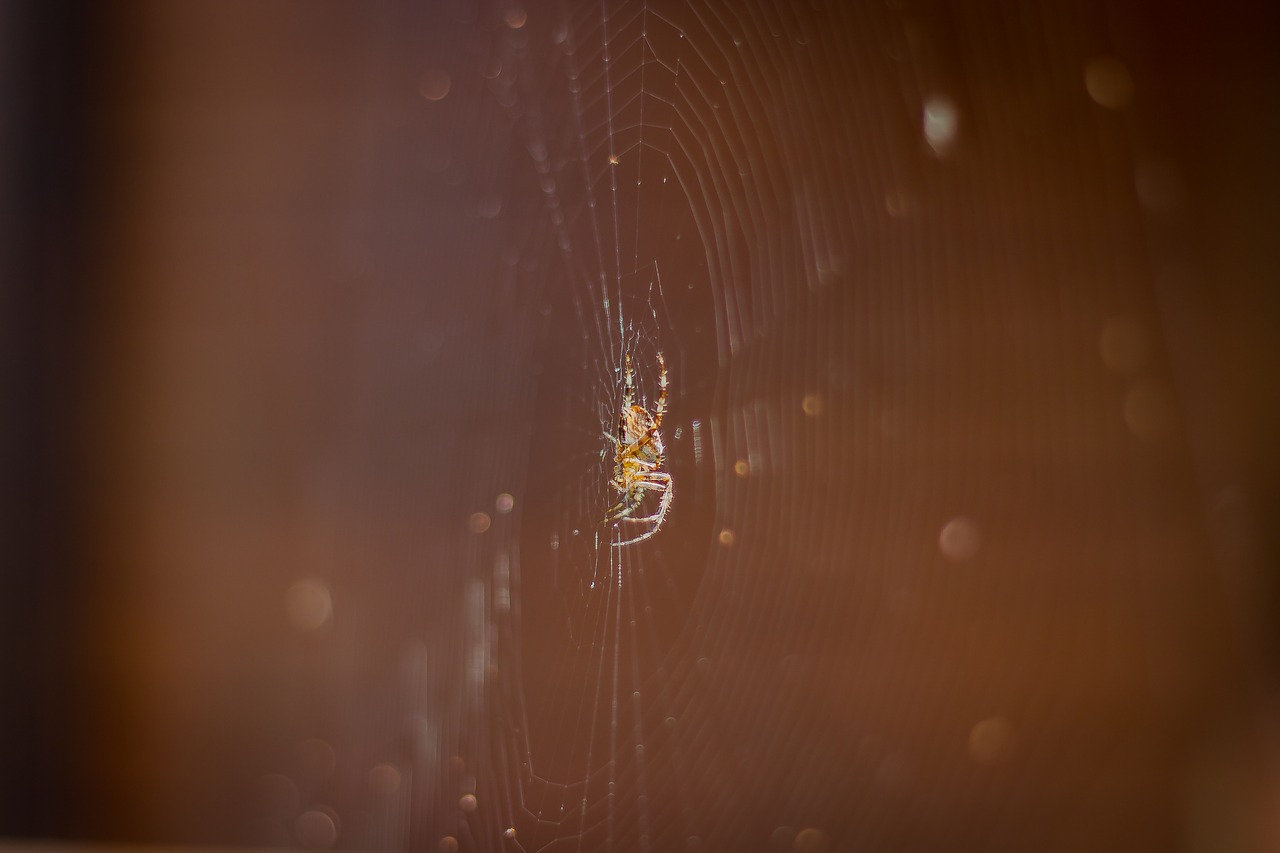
x,y
638,458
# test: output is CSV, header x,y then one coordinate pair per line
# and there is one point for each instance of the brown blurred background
x,y
241,313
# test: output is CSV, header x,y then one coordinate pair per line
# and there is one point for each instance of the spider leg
x,y
655,482
628,403
628,399
657,518
660,408
622,509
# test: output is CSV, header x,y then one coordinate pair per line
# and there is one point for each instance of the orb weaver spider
x,y
638,458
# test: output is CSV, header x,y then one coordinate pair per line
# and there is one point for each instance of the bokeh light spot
x,y
726,537
316,759
468,803
384,780
959,539
276,796
812,405
991,741
504,503
897,203
811,840
941,123
1108,83
435,85
316,828
309,604
479,522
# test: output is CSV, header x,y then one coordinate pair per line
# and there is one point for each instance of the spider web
x,y
884,529
659,145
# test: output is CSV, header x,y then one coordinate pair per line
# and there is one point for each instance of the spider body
x,y
639,455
